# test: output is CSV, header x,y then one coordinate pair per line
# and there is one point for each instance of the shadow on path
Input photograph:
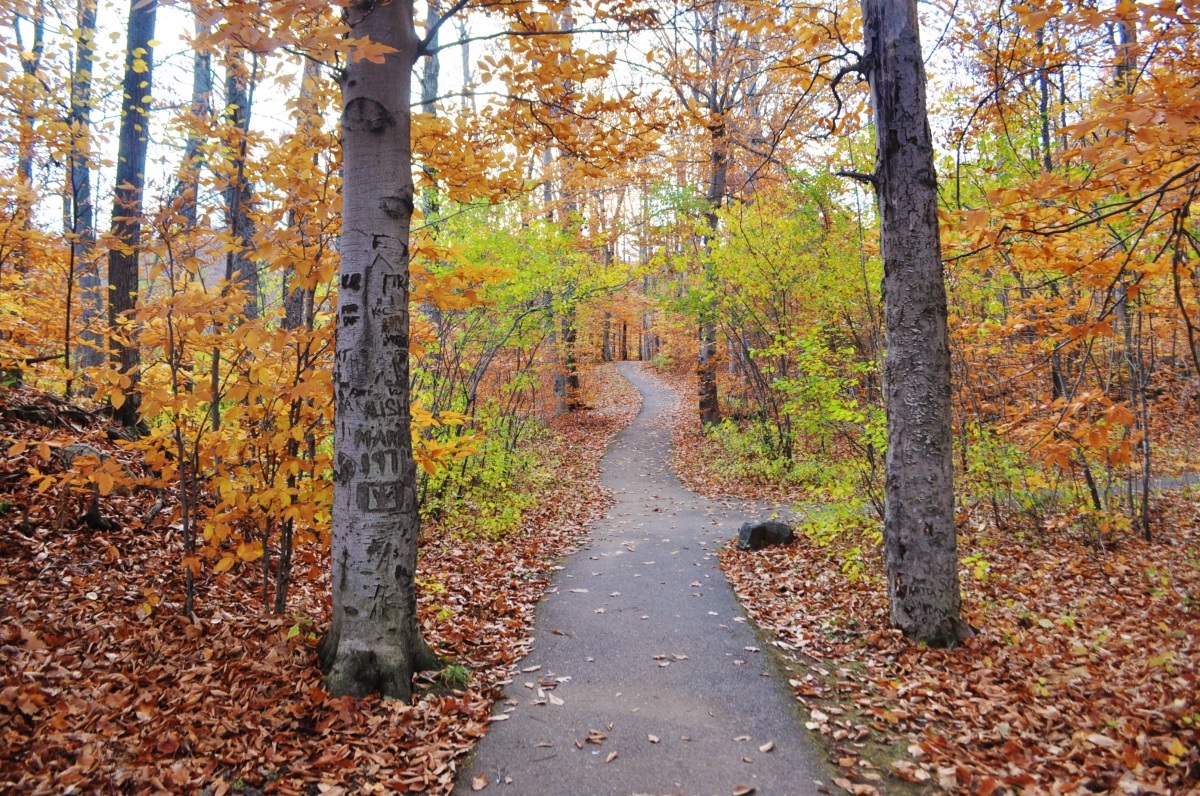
x,y
642,645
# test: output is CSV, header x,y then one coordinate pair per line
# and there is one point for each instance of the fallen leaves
x,y
1085,675
104,688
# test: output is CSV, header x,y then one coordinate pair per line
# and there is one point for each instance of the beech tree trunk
x,y
202,86
919,536
127,198
90,352
375,643
239,194
31,59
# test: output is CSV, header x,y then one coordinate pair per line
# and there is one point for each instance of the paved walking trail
x,y
644,639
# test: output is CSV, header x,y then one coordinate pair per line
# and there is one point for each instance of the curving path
x,y
649,653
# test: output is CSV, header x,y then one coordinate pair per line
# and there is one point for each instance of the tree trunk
x,y
706,365
375,643
298,299
90,352
239,194
127,198
202,86
31,59
919,536
433,65
570,364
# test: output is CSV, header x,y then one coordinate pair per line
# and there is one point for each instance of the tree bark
x,y
375,643
202,86
239,194
706,365
127,198
90,352
919,535
31,59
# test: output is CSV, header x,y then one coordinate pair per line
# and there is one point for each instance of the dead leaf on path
x,y
479,782
909,771
768,746
528,669
579,591
743,790
653,738
742,738
554,700
500,717
611,756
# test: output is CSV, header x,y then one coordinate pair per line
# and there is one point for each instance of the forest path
x,y
642,638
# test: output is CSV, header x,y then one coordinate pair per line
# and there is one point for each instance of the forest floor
x,y
106,688
1084,676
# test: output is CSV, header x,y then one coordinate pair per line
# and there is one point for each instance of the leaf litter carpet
x,y
107,689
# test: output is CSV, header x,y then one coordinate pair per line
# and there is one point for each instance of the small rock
x,y
757,535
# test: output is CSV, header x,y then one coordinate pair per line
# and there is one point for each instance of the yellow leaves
x,y
250,551
365,49
976,219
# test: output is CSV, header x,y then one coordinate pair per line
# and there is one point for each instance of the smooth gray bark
x,y
90,352
374,643
202,86
239,194
919,535
31,59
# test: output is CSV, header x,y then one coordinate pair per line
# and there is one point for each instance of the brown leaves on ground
x,y
1084,676
96,698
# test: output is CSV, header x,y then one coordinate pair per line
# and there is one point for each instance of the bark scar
x,y
367,115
